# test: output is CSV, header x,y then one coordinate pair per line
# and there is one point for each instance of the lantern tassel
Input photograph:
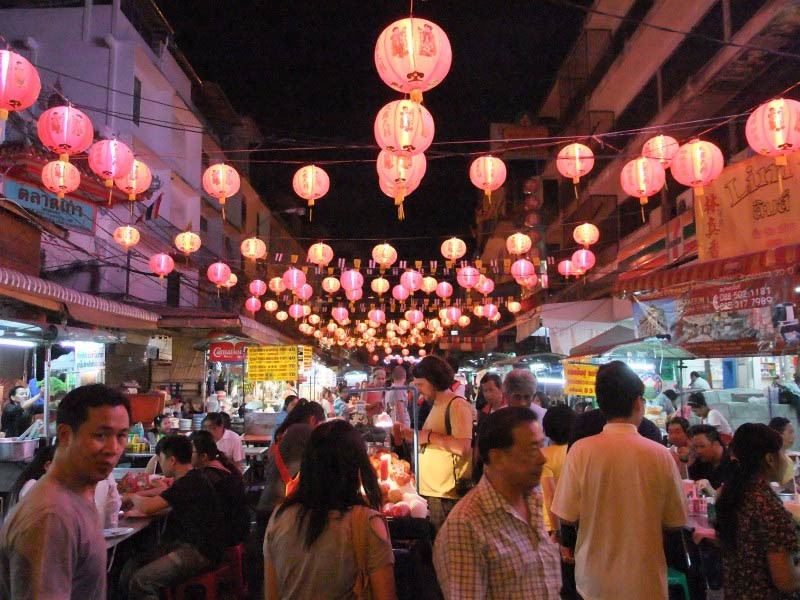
x,y
575,187
416,96
399,196
642,202
780,161
489,196
110,191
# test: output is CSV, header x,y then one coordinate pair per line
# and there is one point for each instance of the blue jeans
x,y
144,579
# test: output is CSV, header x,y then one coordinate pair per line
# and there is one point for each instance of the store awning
x,y
757,263
203,320
82,307
619,334
629,348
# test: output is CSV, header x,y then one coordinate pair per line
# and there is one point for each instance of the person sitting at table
x,y
712,466
756,533
309,547
227,482
786,430
227,441
710,416
191,540
680,445
31,474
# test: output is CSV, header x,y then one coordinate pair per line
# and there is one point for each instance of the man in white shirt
x,y
697,382
624,490
227,441
710,416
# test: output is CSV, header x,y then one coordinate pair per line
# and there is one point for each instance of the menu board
x,y
580,379
272,363
305,354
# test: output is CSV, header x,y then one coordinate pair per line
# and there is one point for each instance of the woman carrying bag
x,y
327,540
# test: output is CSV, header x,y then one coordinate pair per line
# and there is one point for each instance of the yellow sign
x,y
753,205
272,363
580,379
306,353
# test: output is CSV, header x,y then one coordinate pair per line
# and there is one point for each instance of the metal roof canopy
x,y
618,342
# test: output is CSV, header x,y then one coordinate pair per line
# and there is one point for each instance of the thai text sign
x,y
272,363
226,352
580,379
753,205
69,213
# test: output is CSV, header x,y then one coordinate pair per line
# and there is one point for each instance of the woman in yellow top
x,y
557,423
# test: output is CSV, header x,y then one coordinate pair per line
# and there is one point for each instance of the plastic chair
x,y
234,558
678,578
209,581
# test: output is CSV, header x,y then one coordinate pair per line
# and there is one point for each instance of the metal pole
x,y
46,390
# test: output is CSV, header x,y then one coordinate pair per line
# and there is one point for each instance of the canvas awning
x,y
619,342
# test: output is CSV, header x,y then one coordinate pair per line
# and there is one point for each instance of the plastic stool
x,y
234,559
675,577
209,581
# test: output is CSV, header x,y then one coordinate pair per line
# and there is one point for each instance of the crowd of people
x,y
525,500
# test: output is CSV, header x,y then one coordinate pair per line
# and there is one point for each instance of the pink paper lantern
x,y
453,249
293,278
276,285
412,56
384,255
252,304
19,84
489,311
404,172
411,280
339,313
304,292
518,243
484,286
109,159
136,181
311,183
697,164
296,311
377,315
642,177
221,181
65,130
414,316
126,236
161,264
467,277
351,280
320,254
773,129
663,148
400,293
61,177
522,268
218,273
583,260
354,295
528,282
574,161
487,173
257,287
567,269
452,313
404,128
331,285
444,290
428,284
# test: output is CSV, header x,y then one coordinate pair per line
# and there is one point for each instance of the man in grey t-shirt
x,y
51,545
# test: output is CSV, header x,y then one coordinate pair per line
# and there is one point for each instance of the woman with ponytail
x,y
757,535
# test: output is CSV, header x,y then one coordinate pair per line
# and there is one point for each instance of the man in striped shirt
x,y
493,544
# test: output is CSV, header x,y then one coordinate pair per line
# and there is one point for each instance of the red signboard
x,y
226,351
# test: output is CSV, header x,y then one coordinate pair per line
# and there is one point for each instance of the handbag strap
x,y
282,470
359,521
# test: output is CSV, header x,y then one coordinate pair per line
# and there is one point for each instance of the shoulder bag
x,y
462,484
359,522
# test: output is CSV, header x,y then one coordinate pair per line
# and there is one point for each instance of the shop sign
x,y
66,212
580,379
753,205
90,358
305,354
272,363
226,352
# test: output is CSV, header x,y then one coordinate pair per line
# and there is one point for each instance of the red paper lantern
x,y
400,293
109,159
354,295
293,278
392,189
487,173
522,268
404,128
452,313
586,234
518,243
773,129
339,313
218,273
351,280
253,248
428,285
257,287
467,277
545,280
188,242
528,281
567,269
232,281
65,130
161,264
331,285
296,311
484,286
444,290
414,316
221,181
276,285
61,177
311,183
135,181
532,219
489,311
412,56
642,177
411,280
377,316
405,172
384,255
304,292
663,148
574,161
453,249
126,236
380,286
19,84
583,260
697,164
320,254
252,304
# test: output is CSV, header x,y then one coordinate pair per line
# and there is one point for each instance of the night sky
x,y
304,71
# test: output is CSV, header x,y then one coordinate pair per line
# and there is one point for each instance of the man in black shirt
x,y
192,541
712,466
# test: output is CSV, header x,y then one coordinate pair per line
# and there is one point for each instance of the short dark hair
x,y
214,418
288,400
694,373
73,410
711,432
557,423
14,389
497,429
492,376
617,387
684,423
779,424
302,413
671,394
178,446
697,399
436,371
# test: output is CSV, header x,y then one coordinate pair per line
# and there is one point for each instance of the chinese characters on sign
x,y
272,363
